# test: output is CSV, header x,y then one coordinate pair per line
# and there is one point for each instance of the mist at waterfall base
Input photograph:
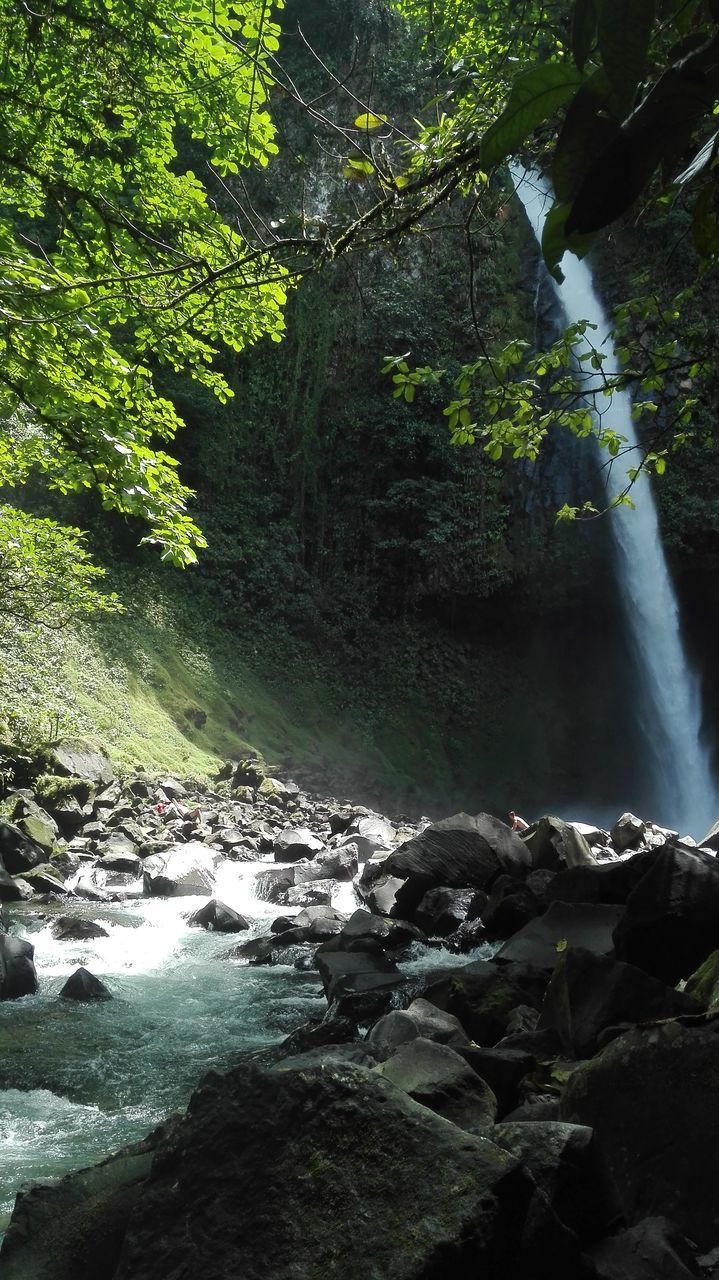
x,y
671,762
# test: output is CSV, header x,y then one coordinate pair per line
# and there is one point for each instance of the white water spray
x,y
669,702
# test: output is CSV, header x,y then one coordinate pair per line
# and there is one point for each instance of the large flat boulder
x,y
80,759
324,1171
576,924
437,1077
461,852
651,1097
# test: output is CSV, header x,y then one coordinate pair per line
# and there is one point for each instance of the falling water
x,y
669,703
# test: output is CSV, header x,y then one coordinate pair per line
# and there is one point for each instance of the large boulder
x,y
420,1019
671,921
437,1077
365,932
294,843
588,993
35,823
576,924
79,759
84,986
218,917
75,929
503,1069
185,870
651,1096
358,981
461,852
10,889
295,1174
610,882
482,996
18,853
511,905
74,1228
653,1248
628,831
555,844
335,864
17,969
443,910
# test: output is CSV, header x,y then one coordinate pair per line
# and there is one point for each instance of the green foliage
x,y
46,576
114,258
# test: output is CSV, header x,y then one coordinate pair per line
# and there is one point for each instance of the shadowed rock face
x,y
460,852
671,921
327,1171
17,968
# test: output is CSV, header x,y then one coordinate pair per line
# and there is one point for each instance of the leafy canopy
x,y
115,260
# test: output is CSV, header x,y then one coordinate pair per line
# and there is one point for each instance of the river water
x,y
78,1081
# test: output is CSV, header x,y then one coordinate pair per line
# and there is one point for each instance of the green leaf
x,y
535,96
556,242
625,29
584,28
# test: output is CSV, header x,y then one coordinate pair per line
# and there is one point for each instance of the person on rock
x,y
517,823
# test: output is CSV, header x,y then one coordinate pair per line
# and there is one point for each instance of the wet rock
x,y
437,1077
610,882
711,839
381,894
74,1228
294,843
358,981
555,844
420,1019
384,935
83,985
482,995
671,921
217,916
459,852
470,935
17,969
185,870
511,905
272,884
653,1248
100,884
309,895
74,928
276,1173
441,911
80,759
45,879
588,993
336,864
18,853
627,832
10,889
318,912
577,924
650,1096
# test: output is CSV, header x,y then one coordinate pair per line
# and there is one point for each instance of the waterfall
x,y
668,702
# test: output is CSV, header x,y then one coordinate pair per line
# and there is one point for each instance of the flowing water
x,y
668,702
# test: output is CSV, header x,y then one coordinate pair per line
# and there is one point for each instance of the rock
x,y
381,895
460,852
650,1096
101,884
357,980
576,924
18,853
331,1055
363,928
483,994
79,759
83,985
671,921
10,890
294,843
294,1173
17,969
273,792
319,912
74,928
588,993
438,1078
627,832
420,1019
443,910
218,917
510,906
310,895
73,1229
704,984
335,864
568,1166
711,839
555,844
654,1248
274,882
36,824
502,1069
185,870
45,879
610,882
375,830
470,935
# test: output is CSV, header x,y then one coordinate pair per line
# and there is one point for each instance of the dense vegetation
x,y
384,601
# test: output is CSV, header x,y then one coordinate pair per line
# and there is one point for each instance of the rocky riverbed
x,y
420,1050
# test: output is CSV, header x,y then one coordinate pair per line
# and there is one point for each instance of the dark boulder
x,y
17,969
335,864
576,924
610,882
555,844
380,892
627,832
74,928
437,1077
46,878
588,993
568,1165
10,889
358,983
510,906
651,1097
367,932
184,870
671,921
294,843
655,1248
83,985
441,911
483,994
467,937
503,1069
286,1174
216,916
460,852
19,854
421,1018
